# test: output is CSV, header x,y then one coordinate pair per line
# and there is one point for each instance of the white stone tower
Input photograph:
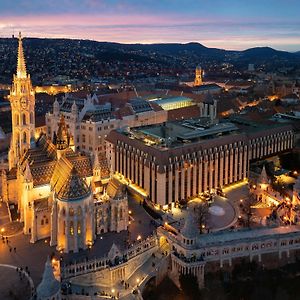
x,y
22,101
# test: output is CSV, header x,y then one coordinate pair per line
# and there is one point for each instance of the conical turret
x,y
263,177
190,229
49,288
27,173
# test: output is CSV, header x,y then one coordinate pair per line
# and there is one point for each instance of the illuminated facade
x,y
22,101
90,123
56,188
175,161
198,76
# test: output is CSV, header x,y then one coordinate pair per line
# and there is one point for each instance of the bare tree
x,y
246,208
201,214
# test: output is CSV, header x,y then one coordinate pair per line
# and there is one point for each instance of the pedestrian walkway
x,y
15,284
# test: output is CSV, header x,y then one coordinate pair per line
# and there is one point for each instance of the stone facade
x,y
57,189
171,174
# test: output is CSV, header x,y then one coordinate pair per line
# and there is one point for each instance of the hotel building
x,y
175,161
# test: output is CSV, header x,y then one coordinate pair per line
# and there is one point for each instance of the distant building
x,y
198,76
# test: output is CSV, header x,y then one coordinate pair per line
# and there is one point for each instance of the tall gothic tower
x,y
22,102
198,76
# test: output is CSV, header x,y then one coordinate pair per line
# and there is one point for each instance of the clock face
x,y
24,102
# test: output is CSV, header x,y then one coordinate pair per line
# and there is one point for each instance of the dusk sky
x,y
229,24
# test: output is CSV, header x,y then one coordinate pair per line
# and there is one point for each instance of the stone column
x,y
231,166
53,239
188,182
195,164
67,230
182,196
236,160
221,169
205,174
226,166
216,183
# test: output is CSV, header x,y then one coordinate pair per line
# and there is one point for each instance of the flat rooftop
x,y
177,133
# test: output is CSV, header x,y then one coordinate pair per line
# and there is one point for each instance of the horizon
x,y
139,43
232,25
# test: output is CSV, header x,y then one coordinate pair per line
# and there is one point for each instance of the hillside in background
x,y
85,59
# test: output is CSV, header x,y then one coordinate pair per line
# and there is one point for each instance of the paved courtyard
x,y
34,255
13,285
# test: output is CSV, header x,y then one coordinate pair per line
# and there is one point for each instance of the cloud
x,y
232,24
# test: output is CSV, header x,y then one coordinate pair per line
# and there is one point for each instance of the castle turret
x,y
56,108
75,221
62,137
74,111
263,180
190,230
49,288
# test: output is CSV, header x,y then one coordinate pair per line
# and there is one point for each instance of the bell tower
x,y
22,102
198,76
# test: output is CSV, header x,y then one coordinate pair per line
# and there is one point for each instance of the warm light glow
x,y
2,230
138,238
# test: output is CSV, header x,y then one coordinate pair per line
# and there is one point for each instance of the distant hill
x,y
83,59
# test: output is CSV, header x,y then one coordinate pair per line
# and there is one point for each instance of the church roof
x,y
74,187
190,229
49,286
115,188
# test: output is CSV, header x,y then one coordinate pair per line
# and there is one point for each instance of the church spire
x,y
21,67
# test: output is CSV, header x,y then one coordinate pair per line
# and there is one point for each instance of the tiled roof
x,y
74,187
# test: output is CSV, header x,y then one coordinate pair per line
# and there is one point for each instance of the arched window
x,y
31,118
71,228
71,212
24,137
17,119
79,211
121,214
116,213
79,227
64,227
23,119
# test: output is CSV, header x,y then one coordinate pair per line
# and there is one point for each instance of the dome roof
x,y
49,286
190,229
74,188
